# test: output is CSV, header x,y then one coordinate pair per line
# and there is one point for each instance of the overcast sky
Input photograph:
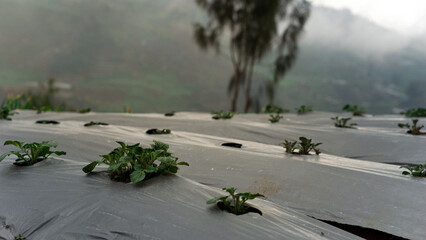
x,y
405,16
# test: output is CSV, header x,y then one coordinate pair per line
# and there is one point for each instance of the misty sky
x,y
407,17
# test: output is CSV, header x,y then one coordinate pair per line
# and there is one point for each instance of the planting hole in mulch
x,y
231,144
158,131
24,164
366,233
223,207
47,122
91,123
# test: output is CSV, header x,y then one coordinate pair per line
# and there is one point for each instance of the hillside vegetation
x,y
140,53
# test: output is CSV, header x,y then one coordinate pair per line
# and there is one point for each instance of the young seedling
x,y
354,110
304,109
84,110
5,113
290,147
341,122
235,202
414,129
91,123
416,112
158,131
31,153
271,109
134,163
20,237
304,146
416,171
223,115
275,118
170,114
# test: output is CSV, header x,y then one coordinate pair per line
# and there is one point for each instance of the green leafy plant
x,y
416,171
134,163
84,110
18,102
223,115
275,118
304,109
303,147
5,113
47,122
20,237
91,123
235,202
415,112
158,131
273,109
342,122
354,110
412,129
31,153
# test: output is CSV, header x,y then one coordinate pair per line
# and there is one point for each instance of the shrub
x,y
84,110
134,163
31,153
235,203
91,123
416,112
304,147
275,118
341,122
414,129
416,171
354,110
223,115
304,109
273,109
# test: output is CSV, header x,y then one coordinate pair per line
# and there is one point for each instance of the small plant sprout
x,y
20,237
303,147
414,129
5,113
275,118
134,163
84,110
416,112
304,109
416,171
91,123
235,202
31,153
354,110
222,115
342,122
158,131
271,109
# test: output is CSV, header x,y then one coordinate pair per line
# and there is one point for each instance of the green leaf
x,y
60,153
15,143
173,169
4,156
405,173
166,159
216,199
89,168
137,176
49,144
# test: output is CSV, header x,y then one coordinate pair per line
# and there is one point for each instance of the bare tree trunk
x,y
248,87
235,94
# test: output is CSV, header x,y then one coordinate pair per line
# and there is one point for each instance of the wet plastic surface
x,y
54,199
